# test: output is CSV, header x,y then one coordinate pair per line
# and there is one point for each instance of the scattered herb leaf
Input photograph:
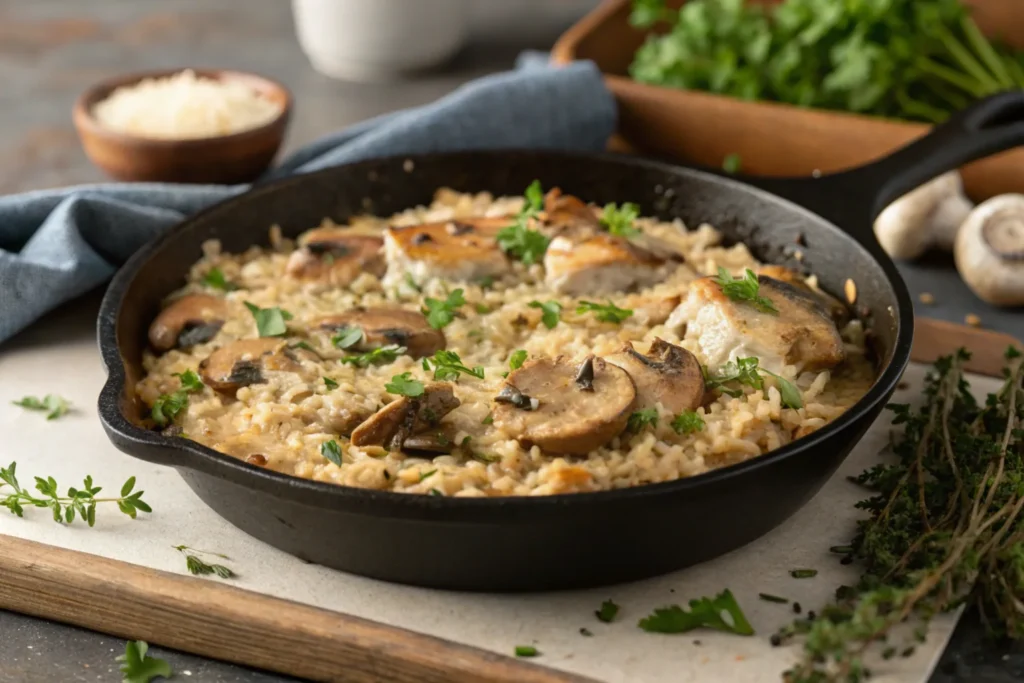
x,y
609,313
426,475
620,219
526,651
704,612
332,451
803,573
517,359
440,313
489,419
215,279
404,385
330,384
768,597
200,567
270,322
448,365
190,381
519,240
745,289
347,337
138,667
732,163
642,418
551,312
687,422
55,406
384,354
607,612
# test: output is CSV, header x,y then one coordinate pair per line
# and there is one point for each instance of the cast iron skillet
x,y
561,541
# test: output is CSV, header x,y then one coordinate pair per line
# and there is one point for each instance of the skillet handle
x,y
853,199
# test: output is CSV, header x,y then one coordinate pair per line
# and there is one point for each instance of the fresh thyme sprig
x,y
78,503
945,527
200,567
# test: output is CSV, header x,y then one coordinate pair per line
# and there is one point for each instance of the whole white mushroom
x,y
990,250
928,216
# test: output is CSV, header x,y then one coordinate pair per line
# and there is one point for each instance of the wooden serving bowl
x,y
772,139
224,159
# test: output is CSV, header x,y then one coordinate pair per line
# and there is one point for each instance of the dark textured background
x,y
50,50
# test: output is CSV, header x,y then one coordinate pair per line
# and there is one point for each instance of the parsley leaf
x,y
526,651
744,371
270,322
732,163
608,313
803,573
168,406
332,451
517,359
745,289
440,313
704,612
384,354
687,422
138,667
791,397
641,418
607,612
412,283
215,279
330,383
347,337
54,405
404,385
619,219
448,365
551,312
189,381
519,240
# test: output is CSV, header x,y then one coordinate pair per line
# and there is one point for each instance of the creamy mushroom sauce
x,y
277,407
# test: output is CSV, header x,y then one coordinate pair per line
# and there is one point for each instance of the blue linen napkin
x,y
58,244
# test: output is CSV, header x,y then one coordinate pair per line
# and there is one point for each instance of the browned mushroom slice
x,y
397,421
600,264
464,249
337,256
191,320
563,407
800,332
667,374
244,362
384,326
440,439
835,307
566,212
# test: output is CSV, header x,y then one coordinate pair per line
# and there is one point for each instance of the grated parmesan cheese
x,y
184,106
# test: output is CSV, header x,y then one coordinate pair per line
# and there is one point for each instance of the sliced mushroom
x,y
191,320
990,250
440,439
666,374
801,333
245,361
601,263
397,421
549,407
337,256
383,326
839,312
464,249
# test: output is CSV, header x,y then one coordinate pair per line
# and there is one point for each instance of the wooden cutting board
x,y
123,577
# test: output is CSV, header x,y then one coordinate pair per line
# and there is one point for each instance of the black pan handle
x,y
853,199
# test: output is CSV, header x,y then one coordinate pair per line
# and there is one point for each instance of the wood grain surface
x,y
236,625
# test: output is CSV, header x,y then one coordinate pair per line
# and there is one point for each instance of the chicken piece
x,y
384,326
245,361
462,250
601,264
566,213
667,374
801,334
840,313
563,407
191,320
397,421
336,256
655,310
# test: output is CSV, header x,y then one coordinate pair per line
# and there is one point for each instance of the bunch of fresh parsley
x,y
908,59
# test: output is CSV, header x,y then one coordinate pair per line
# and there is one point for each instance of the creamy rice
x,y
285,418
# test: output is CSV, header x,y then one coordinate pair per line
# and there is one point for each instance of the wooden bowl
x,y
771,139
224,159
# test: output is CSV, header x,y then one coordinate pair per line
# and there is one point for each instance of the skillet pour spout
x,y
558,541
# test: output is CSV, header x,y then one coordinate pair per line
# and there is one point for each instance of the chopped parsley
x,y
384,354
732,163
526,651
447,365
486,282
551,312
791,397
484,457
332,451
619,219
803,573
517,359
412,283
138,667
347,337
303,345
482,309
488,420
687,422
330,383
404,385
54,405
519,240
189,381
270,322
745,289
215,279
745,371
608,313
435,492
607,612
168,406
704,612
642,418
441,313
426,475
